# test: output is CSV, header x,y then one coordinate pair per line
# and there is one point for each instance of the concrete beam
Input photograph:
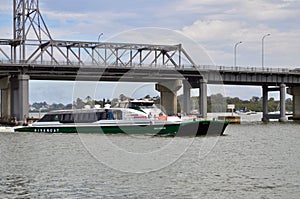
x,y
266,116
282,103
203,98
168,95
5,97
19,88
295,91
186,97
265,103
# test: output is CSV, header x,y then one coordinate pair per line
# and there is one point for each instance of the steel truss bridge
x,y
103,61
34,53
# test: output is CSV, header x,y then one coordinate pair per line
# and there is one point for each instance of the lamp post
x,y
235,46
262,49
101,34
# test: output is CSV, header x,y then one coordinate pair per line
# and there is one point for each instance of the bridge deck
x,y
136,72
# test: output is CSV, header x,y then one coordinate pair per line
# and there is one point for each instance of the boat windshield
x,y
78,117
141,104
51,117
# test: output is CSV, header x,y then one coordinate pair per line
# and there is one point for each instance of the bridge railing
x,y
139,65
243,69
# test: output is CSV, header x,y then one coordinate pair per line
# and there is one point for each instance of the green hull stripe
x,y
187,128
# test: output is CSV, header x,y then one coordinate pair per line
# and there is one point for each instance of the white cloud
x,y
263,10
90,17
219,37
214,30
251,10
86,26
6,32
6,8
199,6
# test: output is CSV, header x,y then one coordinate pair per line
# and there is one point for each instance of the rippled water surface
x,y
254,160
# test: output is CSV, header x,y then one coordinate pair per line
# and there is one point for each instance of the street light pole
x,y
235,46
262,49
101,34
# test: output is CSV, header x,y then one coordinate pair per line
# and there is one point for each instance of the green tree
x,y
79,103
254,99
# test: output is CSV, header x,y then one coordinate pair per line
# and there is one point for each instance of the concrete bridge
x,y
170,66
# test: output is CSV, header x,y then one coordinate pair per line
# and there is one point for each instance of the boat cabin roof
x,y
91,115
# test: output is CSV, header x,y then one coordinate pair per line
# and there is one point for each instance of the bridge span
x,y
15,77
42,58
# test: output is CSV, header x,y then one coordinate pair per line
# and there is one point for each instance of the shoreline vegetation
x,y
216,103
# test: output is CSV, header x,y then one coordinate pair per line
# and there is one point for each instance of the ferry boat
x,y
120,120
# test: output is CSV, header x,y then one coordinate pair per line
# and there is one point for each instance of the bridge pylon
x,y
28,23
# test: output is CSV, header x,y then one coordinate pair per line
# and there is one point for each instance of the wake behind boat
x,y
120,120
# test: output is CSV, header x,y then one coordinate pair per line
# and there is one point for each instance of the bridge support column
x,y
266,116
5,98
282,103
186,97
203,98
265,103
168,95
19,97
295,91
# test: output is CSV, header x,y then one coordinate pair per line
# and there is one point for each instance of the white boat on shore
x,y
244,111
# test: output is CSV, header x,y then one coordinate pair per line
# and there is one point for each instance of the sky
x,y
215,26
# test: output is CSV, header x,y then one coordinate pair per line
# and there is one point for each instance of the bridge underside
x,y
150,73
14,88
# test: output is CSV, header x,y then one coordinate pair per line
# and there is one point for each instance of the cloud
x,y
6,8
199,6
214,30
85,26
219,36
89,17
252,10
264,10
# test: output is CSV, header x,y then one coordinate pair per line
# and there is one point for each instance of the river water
x,y
253,160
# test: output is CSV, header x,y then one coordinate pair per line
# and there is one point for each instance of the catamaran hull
x,y
195,128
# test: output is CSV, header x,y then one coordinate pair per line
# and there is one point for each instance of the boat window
x,y
50,118
101,115
56,118
110,115
92,117
76,117
85,117
79,117
107,115
67,118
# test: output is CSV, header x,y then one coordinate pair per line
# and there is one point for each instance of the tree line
x,y
215,103
218,103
